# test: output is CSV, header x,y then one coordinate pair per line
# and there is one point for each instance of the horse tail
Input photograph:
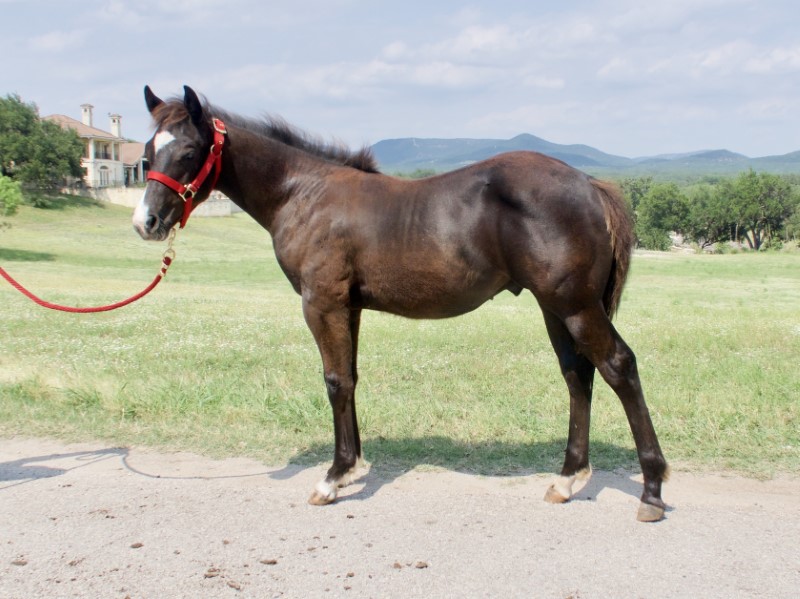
x,y
619,223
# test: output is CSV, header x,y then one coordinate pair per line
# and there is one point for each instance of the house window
x,y
104,176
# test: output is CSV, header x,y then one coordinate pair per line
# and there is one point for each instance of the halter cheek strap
x,y
214,162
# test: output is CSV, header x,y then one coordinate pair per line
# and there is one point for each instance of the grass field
x,y
218,359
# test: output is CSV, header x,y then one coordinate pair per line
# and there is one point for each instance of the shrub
x,y
10,196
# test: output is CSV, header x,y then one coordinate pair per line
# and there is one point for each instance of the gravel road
x,y
88,520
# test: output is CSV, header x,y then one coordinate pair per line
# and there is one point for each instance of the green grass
x,y
218,359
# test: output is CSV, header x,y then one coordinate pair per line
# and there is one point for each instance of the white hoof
x,y
561,490
324,493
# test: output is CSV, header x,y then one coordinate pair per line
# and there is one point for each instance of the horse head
x,y
180,160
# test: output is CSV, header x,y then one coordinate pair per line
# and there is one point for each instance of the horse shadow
x,y
390,459
30,469
14,255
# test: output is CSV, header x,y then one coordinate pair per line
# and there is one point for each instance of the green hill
x,y
413,153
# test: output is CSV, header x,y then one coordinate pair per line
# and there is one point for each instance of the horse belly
x,y
429,288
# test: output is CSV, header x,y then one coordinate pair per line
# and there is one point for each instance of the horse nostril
x,y
151,223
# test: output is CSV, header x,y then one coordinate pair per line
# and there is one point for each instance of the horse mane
x,y
275,128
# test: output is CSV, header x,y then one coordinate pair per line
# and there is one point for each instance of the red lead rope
x,y
169,256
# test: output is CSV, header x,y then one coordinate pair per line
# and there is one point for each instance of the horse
x,y
350,238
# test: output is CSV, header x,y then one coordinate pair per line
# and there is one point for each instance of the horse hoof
x,y
649,513
318,499
323,494
553,496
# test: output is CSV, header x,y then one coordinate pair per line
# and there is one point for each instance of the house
x,y
109,160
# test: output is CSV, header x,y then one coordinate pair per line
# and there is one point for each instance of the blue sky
x,y
630,77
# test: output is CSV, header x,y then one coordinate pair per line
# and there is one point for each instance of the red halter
x,y
189,191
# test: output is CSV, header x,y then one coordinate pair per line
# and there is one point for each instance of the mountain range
x,y
412,153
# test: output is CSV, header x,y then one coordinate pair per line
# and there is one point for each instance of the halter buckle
x,y
219,126
188,193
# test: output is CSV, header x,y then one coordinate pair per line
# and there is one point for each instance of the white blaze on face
x,y
141,213
162,140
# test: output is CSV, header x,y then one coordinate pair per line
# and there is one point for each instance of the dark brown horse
x,y
349,238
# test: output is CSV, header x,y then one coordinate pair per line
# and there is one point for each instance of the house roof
x,y
132,152
83,130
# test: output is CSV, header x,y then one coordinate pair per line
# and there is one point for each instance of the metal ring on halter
x,y
170,251
189,193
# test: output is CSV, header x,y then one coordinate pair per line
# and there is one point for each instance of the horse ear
x,y
193,105
151,99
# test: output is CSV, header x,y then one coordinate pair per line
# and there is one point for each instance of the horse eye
x,y
189,155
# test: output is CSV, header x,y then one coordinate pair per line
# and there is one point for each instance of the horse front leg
x,y
336,332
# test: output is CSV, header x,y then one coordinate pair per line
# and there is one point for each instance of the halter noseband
x,y
188,192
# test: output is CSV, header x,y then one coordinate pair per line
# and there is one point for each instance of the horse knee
x,y
338,387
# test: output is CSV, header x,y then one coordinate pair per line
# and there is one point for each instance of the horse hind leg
x,y
578,373
597,339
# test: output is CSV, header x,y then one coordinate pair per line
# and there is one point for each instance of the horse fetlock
x,y
352,473
347,478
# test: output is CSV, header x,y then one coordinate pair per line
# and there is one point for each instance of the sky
x,y
629,77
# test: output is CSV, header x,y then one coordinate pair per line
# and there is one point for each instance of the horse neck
x,y
260,175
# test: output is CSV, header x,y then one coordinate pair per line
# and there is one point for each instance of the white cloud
x,y
122,13
777,60
766,109
645,18
58,41
395,51
616,68
543,81
478,43
726,57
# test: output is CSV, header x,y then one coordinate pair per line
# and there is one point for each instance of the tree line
x,y
755,210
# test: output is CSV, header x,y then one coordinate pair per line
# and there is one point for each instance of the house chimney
x,y
86,114
116,125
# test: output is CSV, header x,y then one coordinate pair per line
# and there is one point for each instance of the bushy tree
x,y
34,152
662,209
758,204
708,221
635,188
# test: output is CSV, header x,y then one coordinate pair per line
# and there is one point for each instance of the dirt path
x,y
93,521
